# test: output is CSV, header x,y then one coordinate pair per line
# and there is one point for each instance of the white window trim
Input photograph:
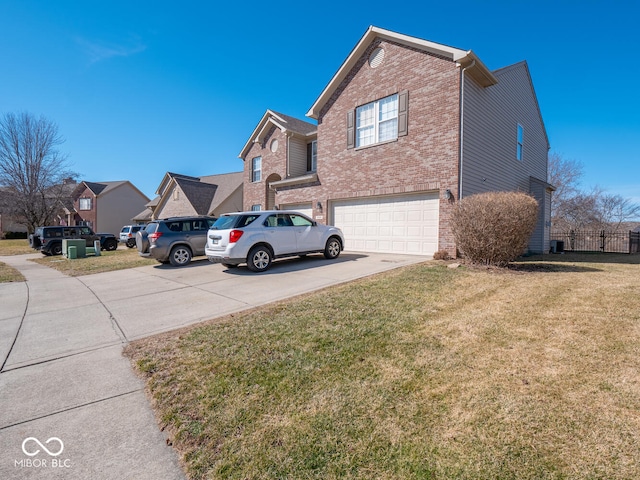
x,y
255,170
314,156
376,122
82,201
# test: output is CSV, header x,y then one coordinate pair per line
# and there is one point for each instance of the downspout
x,y
461,147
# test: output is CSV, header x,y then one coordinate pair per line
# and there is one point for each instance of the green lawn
x,y
424,372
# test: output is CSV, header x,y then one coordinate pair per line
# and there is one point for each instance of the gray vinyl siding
x,y
491,118
297,157
536,242
117,207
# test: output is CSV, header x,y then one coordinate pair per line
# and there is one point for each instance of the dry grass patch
x,y
12,247
15,247
425,372
9,274
105,262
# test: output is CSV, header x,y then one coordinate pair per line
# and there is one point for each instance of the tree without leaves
x,y
573,209
31,167
565,175
613,210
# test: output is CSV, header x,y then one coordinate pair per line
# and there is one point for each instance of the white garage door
x,y
304,208
396,224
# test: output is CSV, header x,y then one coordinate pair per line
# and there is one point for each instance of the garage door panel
x,y
394,224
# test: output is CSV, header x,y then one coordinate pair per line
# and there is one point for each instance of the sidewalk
x,y
63,376
66,378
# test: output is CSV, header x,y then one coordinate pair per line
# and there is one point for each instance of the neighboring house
x,y
183,195
405,128
105,206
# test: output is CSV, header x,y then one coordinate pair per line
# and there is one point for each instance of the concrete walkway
x,y
70,404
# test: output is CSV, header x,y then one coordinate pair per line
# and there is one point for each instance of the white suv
x,y
257,237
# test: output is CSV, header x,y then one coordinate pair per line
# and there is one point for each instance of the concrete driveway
x,y
70,404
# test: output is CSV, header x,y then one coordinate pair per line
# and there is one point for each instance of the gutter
x,y
461,148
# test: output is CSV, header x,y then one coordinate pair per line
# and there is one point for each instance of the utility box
x,y
80,244
557,246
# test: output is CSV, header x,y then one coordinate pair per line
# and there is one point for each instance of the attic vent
x,y
376,57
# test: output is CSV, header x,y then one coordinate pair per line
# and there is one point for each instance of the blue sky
x,y
139,88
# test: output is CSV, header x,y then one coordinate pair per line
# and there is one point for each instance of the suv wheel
x,y
110,245
180,256
332,249
131,242
259,259
56,249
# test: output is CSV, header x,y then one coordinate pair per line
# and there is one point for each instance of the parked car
x,y
49,239
174,240
128,234
256,238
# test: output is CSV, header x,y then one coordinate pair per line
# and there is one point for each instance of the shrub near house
x,y
494,228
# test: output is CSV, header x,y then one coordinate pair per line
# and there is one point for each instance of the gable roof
x,y
281,121
100,188
204,194
168,178
226,184
198,193
465,58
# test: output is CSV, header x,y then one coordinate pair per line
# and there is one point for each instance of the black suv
x,y
49,239
175,240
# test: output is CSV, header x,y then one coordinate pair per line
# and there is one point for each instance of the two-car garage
x,y
389,224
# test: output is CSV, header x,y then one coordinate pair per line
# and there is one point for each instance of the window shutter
x,y
403,113
351,131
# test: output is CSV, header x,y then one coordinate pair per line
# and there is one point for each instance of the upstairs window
x,y
312,156
519,142
379,121
85,204
256,169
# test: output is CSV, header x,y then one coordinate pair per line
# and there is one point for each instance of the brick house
x,y
104,206
405,128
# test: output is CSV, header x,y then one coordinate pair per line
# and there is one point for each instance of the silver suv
x,y
256,238
174,240
128,234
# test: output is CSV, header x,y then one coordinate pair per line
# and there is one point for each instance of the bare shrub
x,y
441,255
494,228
